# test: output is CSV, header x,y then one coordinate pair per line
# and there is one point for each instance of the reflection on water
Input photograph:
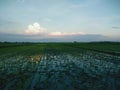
x,y
34,58
59,72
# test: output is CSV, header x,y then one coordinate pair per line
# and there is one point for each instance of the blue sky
x,y
51,18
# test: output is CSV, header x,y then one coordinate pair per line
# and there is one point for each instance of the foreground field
x,y
60,66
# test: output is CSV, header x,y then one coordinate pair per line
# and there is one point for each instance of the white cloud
x,y
55,33
65,33
35,29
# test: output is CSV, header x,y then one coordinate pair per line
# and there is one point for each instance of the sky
x,y
59,20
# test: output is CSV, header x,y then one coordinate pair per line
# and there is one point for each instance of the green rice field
x,y
60,66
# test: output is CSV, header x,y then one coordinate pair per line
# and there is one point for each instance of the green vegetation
x,y
104,47
79,66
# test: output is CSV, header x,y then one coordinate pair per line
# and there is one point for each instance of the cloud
x,y
36,33
65,33
35,29
55,33
116,27
40,38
